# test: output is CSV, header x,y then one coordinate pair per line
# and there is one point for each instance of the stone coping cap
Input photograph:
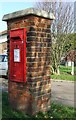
x,y
28,11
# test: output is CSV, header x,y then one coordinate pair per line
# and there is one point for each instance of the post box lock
x,y
17,66
16,46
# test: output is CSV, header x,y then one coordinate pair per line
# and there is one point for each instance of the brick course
x,y
35,94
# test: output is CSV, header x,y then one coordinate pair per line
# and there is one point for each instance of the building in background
x,y
3,42
71,58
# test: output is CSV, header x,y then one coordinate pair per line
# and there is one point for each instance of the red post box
x,y
29,62
17,60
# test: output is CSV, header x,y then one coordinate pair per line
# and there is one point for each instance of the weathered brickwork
x,y
35,94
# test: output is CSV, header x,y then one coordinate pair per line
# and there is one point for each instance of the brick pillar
x,y
34,95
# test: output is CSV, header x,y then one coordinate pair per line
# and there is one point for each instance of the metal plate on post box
x,y
16,55
17,61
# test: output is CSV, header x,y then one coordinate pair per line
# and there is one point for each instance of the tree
x,y
71,43
61,27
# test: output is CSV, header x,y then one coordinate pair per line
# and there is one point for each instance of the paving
x,y
62,91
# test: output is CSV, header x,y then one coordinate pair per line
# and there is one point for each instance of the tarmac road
x,y
62,91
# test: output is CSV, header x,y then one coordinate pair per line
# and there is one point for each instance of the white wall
x,y
3,43
3,38
68,63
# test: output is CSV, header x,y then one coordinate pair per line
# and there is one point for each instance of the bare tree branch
x,y
61,26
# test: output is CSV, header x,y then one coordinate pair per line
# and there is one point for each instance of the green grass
x,y
57,111
64,77
65,74
65,69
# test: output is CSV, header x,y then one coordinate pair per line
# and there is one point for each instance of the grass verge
x,y
65,74
64,77
57,112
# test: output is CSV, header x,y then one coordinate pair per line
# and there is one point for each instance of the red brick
x,y
22,96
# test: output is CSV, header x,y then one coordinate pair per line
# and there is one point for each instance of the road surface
x,y
62,91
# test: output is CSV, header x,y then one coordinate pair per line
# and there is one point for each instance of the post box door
x,y
18,55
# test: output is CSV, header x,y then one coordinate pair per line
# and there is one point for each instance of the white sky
x,y
9,6
35,0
